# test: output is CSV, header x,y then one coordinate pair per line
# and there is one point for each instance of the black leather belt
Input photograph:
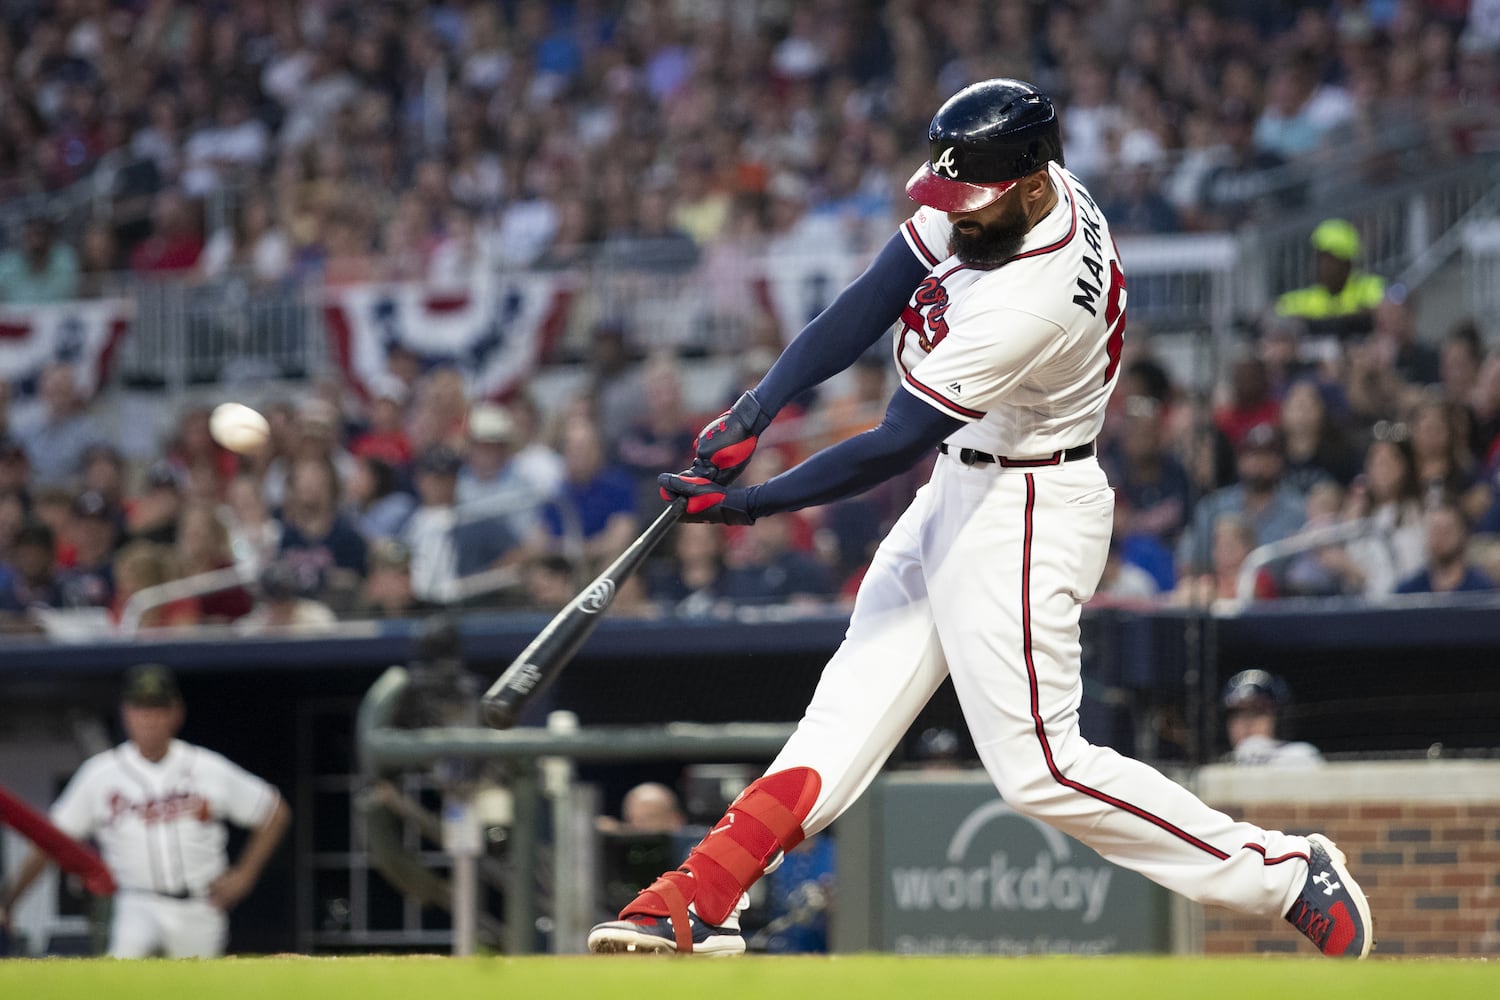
x,y
969,456
179,894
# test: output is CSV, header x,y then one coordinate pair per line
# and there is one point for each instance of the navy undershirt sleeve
x,y
846,329
910,429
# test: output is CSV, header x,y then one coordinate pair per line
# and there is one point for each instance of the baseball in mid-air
x,y
238,428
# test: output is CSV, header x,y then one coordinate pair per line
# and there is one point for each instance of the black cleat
x,y
1332,911
646,935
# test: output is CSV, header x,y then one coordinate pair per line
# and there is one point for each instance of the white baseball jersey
x,y
160,826
1267,751
983,578
1025,354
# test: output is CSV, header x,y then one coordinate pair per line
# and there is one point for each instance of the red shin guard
x,y
766,818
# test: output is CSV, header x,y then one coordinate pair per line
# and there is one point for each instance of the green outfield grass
x,y
861,977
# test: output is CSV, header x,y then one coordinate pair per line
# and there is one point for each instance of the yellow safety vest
x,y
1360,292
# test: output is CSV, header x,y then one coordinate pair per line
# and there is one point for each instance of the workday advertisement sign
x,y
966,874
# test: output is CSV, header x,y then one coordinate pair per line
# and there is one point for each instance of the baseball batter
x,y
157,808
1009,299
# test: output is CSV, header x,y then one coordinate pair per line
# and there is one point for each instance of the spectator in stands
x,y
1287,358
1135,197
429,532
140,565
199,460
662,431
765,569
385,438
42,269
102,470
551,581
1459,358
57,438
1341,299
203,547
1447,569
537,462
1484,415
649,807
690,583
378,505
29,579
1445,469
1233,540
1252,700
1310,573
13,514
1300,109
254,535
90,581
651,241
153,514
596,504
283,602
1371,385
440,410
314,535
1241,186
614,385
15,472
387,590
494,474
176,237
1147,476
1315,449
1270,509
1395,330
229,150
1250,402
1123,582
1387,493
253,247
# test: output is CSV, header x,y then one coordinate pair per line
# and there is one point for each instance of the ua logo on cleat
x,y
1325,879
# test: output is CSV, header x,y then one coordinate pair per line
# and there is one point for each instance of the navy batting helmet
x,y
982,141
1255,690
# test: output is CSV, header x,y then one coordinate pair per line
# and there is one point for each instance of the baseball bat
x,y
547,655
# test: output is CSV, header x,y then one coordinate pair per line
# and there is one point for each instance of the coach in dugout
x,y
157,806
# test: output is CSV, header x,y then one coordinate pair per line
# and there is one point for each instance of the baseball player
x,y
157,807
1251,700
1009,299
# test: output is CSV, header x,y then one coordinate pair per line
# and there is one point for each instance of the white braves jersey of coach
x,y
1026,353
160,826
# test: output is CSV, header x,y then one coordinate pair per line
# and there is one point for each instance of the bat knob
x,y
498,714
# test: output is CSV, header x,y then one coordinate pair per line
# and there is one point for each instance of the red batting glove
x,y
724,446
707,501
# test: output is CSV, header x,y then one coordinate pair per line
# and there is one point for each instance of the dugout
x,y
1412,680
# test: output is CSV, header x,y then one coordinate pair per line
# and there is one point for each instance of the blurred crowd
x,y
403,139
425,140
1377,446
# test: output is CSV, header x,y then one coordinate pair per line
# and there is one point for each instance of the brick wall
x,y
1422,838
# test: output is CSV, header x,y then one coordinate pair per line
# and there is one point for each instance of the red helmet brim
x,y
928,188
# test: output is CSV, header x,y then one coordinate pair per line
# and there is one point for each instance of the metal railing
x,y
542,762
1304,541
145,600
189,330
1399,222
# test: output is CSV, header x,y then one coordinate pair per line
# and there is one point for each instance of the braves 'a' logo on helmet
x,y
946,164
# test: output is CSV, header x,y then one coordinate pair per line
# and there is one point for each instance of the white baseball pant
x,y
984,577
145,924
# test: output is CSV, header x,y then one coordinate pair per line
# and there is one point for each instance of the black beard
x,y
992,245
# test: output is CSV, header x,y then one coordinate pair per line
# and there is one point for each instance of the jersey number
x,y
1114,318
